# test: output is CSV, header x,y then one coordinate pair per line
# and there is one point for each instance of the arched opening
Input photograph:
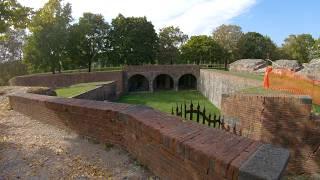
x,y
138,83
163,82
187,81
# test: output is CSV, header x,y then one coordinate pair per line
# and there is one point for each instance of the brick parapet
x,y
283,120
172,149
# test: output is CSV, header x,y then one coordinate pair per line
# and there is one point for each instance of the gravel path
x,y
32,150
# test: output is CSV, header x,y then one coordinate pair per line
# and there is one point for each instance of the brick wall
x,y
282,120
214,83
172,149
101,93
67,79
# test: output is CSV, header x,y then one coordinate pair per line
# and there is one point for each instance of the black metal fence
x,y
195,113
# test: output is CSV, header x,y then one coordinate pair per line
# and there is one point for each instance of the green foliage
x,y
11,69
253,45
13,14
170,40
228,36
45,48
315,50
299,47
165,100
316,109
133,41
88,40
202,50
11,46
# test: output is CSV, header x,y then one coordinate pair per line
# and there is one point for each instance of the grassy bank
x,y
77,89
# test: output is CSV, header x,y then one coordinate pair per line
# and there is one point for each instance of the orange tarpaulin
x,y
287,80
266,82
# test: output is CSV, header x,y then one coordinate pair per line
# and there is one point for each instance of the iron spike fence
x,y
202,117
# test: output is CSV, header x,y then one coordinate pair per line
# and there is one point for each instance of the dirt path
x,y
32,150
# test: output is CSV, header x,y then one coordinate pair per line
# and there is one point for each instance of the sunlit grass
x,y
77,89
165,100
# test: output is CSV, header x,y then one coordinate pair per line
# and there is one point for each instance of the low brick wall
x,y
172,149
282,120
67,79
214,83
104,92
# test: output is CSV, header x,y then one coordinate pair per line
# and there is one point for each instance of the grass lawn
x,y
242,74
165,100
262,91
77,89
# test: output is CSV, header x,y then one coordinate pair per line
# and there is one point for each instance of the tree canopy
x,y
133,41
202,50
299,47
170,40
13,14
88,40
228,36
253,45
45,48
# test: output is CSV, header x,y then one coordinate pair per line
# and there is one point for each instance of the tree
x,y
11,46
228,36
133,41
88,40
170,40
256,46
298,47
13,14
45,48
202,49
315,50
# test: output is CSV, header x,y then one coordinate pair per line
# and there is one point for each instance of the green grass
x,y
262,91
316,109
77,89
242,74
165,100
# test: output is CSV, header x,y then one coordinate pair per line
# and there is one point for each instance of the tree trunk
x,y
226,64
89,66
59,67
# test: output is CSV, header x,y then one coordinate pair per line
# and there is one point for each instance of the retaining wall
x,y
214,83
65,79
104,92
282,120
172,149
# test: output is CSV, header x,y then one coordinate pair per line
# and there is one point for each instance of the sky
x,y
274,18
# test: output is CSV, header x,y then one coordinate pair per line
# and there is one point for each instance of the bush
x,y
11,69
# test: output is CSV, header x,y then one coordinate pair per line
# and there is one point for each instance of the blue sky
x,y
279,18
275,18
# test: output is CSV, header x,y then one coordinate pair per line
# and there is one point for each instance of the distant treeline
x,y
55,43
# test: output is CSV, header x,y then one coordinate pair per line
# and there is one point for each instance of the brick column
x,y
151,86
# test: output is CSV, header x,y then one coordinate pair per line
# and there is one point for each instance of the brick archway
x,y
187,81
163,82
138,82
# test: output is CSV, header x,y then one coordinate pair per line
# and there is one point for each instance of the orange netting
x,y
286,80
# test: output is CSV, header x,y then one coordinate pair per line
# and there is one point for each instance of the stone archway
x,y
138,82
163,82
187,81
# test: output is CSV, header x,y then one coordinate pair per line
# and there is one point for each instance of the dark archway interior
x,y
163,82
188,81
138,83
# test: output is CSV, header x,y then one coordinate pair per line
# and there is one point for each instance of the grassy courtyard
x,y
165,100
77,89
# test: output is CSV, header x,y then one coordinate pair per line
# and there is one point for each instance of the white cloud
x,y
192,16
